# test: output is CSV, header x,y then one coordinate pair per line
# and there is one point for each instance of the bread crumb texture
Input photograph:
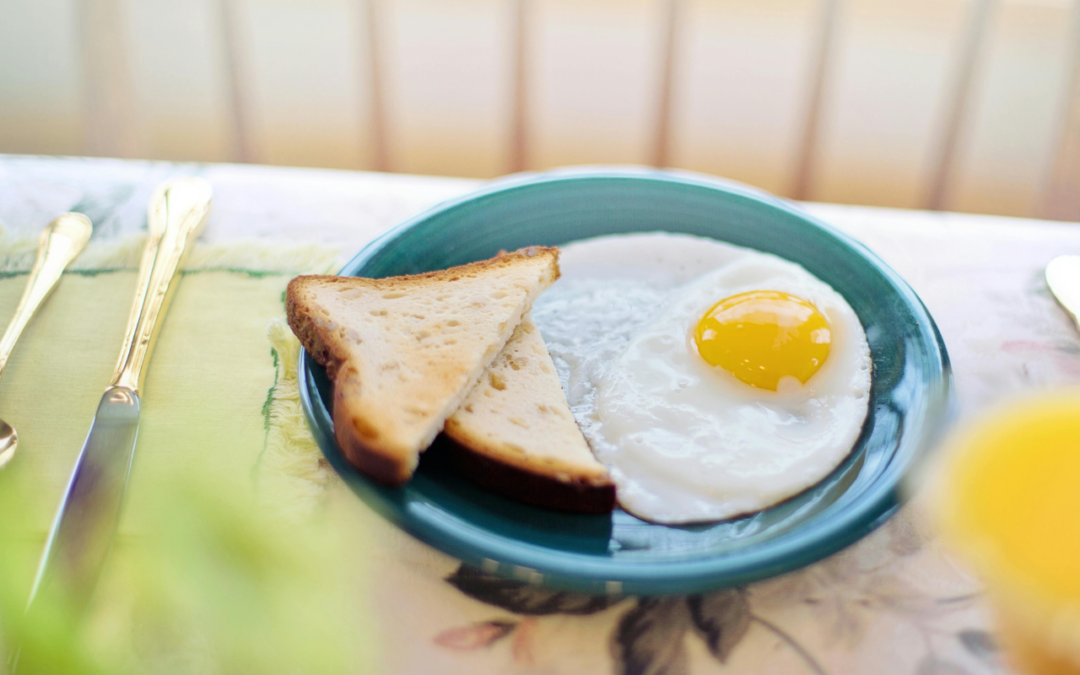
x,y
518,415
404,351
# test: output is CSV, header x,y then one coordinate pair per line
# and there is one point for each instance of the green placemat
x,y
198,580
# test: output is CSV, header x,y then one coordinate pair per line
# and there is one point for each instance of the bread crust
x,y
370,457
364,448
538,489
548,468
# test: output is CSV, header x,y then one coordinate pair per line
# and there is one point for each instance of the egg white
x,y
686,441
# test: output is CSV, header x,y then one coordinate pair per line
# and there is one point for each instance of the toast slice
x,y
403,352
516,435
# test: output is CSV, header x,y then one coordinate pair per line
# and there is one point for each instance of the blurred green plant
x,y
215,586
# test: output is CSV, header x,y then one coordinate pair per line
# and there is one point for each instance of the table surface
x,y
891,603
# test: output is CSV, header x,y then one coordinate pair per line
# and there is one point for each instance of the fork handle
x,y
177,214
58,245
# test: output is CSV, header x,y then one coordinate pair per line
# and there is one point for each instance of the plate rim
x,y
528,562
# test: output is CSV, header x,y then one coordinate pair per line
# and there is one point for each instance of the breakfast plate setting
x,y
753,477
589,420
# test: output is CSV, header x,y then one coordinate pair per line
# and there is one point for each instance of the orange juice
x,y
1008,501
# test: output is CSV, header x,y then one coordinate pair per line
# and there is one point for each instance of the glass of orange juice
x,y
1007,500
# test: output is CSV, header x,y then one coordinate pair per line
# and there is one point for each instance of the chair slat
x,y
958,98
1060,198
374,68
806,152
109,101
669,40
519,127
237,76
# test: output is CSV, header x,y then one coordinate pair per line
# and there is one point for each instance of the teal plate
x,y
619,553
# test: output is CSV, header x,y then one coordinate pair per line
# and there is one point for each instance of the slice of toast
x,y
404,351
516,435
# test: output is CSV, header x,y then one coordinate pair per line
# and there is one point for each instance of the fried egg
x,y
712,380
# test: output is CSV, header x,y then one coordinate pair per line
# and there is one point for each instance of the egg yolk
x,y
761,337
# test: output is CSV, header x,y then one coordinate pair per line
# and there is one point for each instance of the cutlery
x,y
59,244
86,521
1063,278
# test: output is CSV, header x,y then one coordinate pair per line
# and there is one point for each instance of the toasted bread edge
x,y
538,489
499,452
385,464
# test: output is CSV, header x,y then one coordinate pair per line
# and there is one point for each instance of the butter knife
x,y
1063,278
84,526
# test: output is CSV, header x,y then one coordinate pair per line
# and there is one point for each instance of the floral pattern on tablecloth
x,y
843,597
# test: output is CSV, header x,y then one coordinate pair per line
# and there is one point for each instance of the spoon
x,y
1063,278
59,244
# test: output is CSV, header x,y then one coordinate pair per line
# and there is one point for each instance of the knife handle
x,y
59,244
176,216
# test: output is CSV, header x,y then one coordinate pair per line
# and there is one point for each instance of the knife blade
x,y
85,523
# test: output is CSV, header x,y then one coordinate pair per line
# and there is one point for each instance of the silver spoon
x,y
1063,278
59,244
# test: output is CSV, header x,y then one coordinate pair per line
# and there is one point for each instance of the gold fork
x,y
59,244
